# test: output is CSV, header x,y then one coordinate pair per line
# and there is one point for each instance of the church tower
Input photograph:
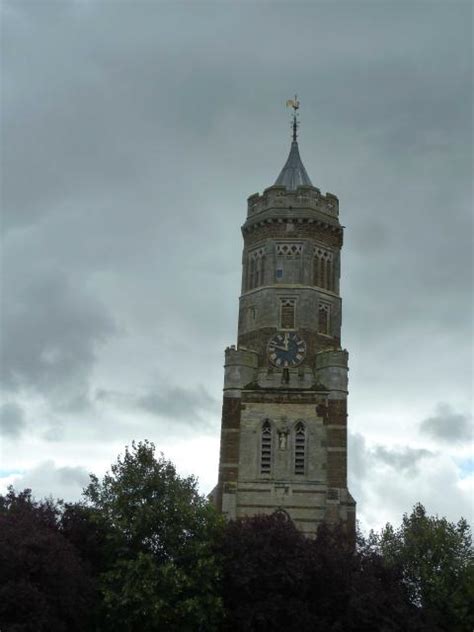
x,y
284,413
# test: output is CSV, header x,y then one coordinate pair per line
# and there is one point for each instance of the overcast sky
x,y
133,133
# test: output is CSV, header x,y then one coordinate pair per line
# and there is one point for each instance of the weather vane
x,y
295,104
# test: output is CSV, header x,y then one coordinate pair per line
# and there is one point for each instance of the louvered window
x,y
287,313
300,448
266,449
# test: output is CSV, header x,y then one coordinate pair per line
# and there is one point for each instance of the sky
x,y
132,134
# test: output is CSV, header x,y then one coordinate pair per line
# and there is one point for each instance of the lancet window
x,y
324,319
300,448
266,448
256,269
287,313
323,269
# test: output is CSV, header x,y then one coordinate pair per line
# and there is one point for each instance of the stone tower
x,y
284,419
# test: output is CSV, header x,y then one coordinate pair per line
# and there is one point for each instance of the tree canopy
x,y
160,571
44,584
145,551
276,579
436,560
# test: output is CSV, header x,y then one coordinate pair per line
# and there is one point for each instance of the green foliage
x,y
437,563
145,552
160,572
44,585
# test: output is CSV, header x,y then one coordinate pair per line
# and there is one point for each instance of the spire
x,y
293,173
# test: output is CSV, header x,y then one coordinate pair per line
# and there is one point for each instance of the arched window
x,y
300,448
316,266
324,325
266,448
323,268
261,271
256,268
329,275
287,313
252,273
322,276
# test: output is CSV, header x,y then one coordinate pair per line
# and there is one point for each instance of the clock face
x,y
286,349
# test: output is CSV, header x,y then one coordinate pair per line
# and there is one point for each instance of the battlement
x,y
332,358
240,368
305,198
331,370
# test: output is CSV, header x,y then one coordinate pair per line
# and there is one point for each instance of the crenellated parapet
x,y
240,368
304,198
303,213
332,369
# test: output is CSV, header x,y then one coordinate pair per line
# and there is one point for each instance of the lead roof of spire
x,y
293,173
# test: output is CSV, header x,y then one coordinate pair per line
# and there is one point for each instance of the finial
x,y
295,104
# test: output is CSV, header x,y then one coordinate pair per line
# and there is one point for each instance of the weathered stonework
x,y
284,417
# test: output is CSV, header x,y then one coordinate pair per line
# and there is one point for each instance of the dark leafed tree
x,y
351,588
44,585
159,571
436,560
92,537
276,579
263,574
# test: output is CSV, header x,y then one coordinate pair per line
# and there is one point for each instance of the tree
x,y
43,584
89,533
159,572
275,579
263,574
437,564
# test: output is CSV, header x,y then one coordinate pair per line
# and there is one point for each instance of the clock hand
x,y
279,348
286,341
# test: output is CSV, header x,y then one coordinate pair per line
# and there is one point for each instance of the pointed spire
x,y
293,173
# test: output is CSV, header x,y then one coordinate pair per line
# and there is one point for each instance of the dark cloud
x,y
185,406
448,426
12,420
51,331
132,134
179,403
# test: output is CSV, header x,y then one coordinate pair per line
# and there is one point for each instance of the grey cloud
x,y
186,406
182,404
132,137
51,331
12,420
401,459
169,69
386,482
47,479
357,454
448,426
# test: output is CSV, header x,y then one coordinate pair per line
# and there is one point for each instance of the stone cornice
x,y
275,216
